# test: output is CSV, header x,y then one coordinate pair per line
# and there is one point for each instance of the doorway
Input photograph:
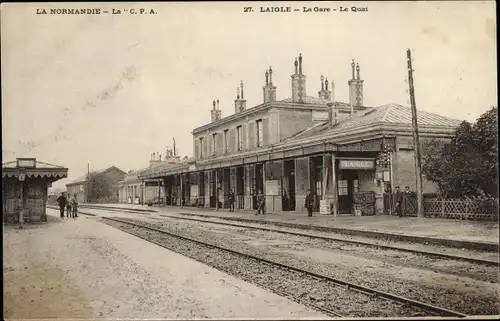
x,y
240,188
288,183
347,185
213,189
259,183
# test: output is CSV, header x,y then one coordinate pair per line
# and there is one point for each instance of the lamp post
x,y
142,193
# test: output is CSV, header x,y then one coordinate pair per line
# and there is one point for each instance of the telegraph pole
x,y
416,141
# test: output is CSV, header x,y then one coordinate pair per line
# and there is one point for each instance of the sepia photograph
x,y
252,160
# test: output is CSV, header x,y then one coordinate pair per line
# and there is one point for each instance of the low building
x,y
286,148
101,188
134,189
28,180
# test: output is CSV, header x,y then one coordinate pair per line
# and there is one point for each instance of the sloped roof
x,y
99,171
41,170
386,114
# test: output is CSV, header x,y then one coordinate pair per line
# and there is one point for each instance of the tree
x,y
468,166
99,187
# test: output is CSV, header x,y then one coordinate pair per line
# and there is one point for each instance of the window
x,y
225,140
238,137
260,137
201,147
214,143
342,187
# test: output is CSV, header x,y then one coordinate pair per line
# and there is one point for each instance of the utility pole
x,y
416,141
87,186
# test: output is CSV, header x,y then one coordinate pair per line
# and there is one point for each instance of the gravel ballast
x,y
442,289
297,286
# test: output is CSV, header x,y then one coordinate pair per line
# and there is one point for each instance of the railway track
x,y
335,239
319,237
375,294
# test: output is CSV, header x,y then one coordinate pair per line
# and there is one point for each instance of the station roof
x,y
33,169
386,114
83,178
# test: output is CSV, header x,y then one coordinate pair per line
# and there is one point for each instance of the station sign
x,y
26,162
356,164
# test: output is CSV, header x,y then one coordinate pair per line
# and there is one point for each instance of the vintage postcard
x,y
250,160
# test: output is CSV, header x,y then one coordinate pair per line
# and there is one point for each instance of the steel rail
x,y
329,238
352,286
326,238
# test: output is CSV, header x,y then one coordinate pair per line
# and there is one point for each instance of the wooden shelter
x,y
28,179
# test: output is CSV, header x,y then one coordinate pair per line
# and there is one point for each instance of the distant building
x,y
103,186
134,189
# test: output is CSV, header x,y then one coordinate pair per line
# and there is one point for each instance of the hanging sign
x,y
323,209
387,176
356,164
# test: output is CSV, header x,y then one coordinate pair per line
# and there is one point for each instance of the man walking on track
x,y
261,204
309,203
61,200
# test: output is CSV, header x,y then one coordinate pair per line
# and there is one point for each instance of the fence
x,y
463,209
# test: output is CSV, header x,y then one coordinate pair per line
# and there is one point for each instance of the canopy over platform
x,y
31,168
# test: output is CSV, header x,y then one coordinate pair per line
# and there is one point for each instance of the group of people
x,y
399,199
70,204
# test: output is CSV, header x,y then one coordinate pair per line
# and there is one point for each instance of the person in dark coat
x,y
309,203
399,202
62,201
261,201
231,201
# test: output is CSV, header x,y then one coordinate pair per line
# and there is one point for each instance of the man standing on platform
x,y
309,203
20,210
261,204
74,206
399,202
61,200
231,201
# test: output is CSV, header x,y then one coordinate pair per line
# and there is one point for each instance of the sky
x,y
112,89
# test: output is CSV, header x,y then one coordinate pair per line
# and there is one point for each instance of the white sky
x,y
54,67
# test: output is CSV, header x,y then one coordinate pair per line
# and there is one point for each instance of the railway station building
x,y
134,189
303,143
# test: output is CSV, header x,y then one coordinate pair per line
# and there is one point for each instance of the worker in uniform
x,y
74,206
260,204
61,200
309,203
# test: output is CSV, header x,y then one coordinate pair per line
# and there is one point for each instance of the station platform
x,y
454,233
84,269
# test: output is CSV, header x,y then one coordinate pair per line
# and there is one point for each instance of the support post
x,y
334,186
416,141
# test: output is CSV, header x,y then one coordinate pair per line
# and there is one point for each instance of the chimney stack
x,y
355,88
240,104
324,93
269,89
332,114
298,82
215,112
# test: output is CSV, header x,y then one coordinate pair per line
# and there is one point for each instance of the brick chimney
x,y
355,88
269,89
298,83
324,93
332,113
216,113
240,104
